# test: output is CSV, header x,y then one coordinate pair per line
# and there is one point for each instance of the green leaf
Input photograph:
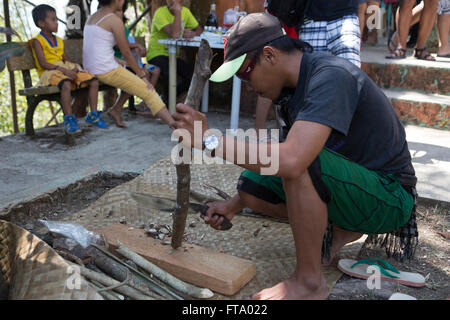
x,y
8,50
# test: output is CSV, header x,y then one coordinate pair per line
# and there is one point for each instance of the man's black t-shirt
x,y
334,92
327,10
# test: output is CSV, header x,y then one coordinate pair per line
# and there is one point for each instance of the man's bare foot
x,y
116,116
292,289
340,238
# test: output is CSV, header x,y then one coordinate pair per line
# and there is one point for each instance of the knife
x,y
166,204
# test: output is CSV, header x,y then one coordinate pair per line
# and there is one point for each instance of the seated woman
x,y
103,30
138,51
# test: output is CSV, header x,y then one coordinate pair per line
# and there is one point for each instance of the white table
x,y
172,45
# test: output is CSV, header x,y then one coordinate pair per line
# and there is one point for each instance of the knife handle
x,y
225,225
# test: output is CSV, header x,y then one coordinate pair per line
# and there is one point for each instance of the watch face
x,y
211,142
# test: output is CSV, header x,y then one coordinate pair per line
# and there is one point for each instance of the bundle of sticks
x,y
128,277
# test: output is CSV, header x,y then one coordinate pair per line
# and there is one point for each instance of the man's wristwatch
x,y
211,143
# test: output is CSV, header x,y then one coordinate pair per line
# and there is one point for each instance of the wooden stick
x,y
108,281
202,72
189,289
157,286
119,272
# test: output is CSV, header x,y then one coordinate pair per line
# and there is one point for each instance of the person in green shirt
x,y
172,21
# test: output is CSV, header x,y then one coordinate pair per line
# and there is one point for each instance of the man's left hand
x,y
188,33
185,118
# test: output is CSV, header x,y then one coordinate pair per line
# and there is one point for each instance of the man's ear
x,y
270,54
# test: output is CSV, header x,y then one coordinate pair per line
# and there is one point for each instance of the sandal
x,y
360,269
419,54
398,53
391,44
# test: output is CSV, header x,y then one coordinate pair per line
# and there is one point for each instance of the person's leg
x,y
403,25
372,38
308,219
426,25
443,25
185,72
116,110
154,76
162,62
416,14
362,8
93,94
66,97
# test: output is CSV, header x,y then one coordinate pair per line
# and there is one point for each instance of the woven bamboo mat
x,y
34,271
269,246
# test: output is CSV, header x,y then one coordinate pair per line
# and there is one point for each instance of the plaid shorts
x,y
443,7
340,37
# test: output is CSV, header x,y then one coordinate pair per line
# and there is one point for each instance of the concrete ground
x,y
30,167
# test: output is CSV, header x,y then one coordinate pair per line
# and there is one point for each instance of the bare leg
x,y
416,14
116,110
308,219
154,76
340,236
404,22
372,38
93,94
443,29
66,97
426,24
362,8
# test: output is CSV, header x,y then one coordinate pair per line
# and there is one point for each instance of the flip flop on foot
x,y
359,269
398,53
423,54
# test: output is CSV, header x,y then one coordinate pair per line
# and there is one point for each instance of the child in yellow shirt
x,y
54,69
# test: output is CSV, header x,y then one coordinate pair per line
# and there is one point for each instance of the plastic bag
x,y
73,231
230,17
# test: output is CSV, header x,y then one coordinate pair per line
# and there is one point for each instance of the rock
x,y
192,224
151,232
29,226
123,220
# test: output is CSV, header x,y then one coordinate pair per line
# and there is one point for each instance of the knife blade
x,y
166,204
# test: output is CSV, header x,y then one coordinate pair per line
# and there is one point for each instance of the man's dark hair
x,y
104,2
39,13
286,44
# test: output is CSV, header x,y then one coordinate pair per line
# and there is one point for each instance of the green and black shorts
x,y
358,199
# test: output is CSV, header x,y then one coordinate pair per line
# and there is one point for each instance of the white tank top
x,y
98,52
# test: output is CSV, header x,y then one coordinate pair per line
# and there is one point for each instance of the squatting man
x,y
344,165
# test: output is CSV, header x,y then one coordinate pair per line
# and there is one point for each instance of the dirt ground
x,y
431,259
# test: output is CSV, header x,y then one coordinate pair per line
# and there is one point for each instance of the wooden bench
x,y
35,95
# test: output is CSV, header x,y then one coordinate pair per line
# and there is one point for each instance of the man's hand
x,y
188,33
185,117
175,7
70,73
222,208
